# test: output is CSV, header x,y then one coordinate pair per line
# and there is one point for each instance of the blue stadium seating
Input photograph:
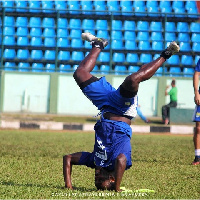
x,y
74,8
193,13
23,67
185,46
48,22
76,43
138,4
101,24
132,58
195,27
104,69
8,5
47,6
88,24
142,26
75,23
95,69
179,12
174,60
49,55
62,23
170,36
63,42
65,68
144,45
120,70
160,71
129,25
9,30
64,55
174,71
37,67
186,60
129,35
75,33
50,67
116,35
196,59
126,10
195,37
21,22
116,25
145,58
153,11
36,41
9,40
34,6
49,32
188,72
182,27
35,22
126,3
61,6
87,45
35,32
170,27
75,67
22,31
183,37
155,26
130,45
86,8
22,54
118,57
133,69
9,66
141,35
103,34
22,41
9,21
62,33
165,11
140,11
99,2
117,44
156,45
77,56
196,46
165,4
104,57
190,4
100,9
9,53
36,54
156,36
177,4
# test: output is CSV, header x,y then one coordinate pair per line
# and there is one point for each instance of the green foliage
x,y
31,167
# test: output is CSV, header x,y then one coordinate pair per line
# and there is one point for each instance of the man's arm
x,y
120,166
196,87
68,161
166,93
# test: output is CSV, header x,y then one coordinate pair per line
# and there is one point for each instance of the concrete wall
x,y
58,93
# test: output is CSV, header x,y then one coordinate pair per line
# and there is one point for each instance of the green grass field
x,y
31,166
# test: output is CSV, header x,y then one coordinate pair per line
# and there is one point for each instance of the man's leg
x,y
82,73
164,113
196,140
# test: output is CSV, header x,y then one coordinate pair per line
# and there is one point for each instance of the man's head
x,y
104,179
173,83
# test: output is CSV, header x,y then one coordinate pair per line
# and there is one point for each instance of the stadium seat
x,y
75,67
141,35
99,2
179,12
34,6
61,6
50,67
164,4
49,55
155,26
126,3
95,70
9,40
117,25
145,58
104,57
170,36
87,8
47,6
129,25
188,72
196,46
195,27
49,42
48,22
77,56
156,36
186,60
142,26
118,57
127,10
190,4
8,5
114,7
75,33
9,53
117,44
35,22
9,21
65,68
140,11
156,56
153,11
37,67
64,55
22,54
116,35
22,31
49,32
129,35
183,37
76,43
21,22
101,24
75,24
62,33
102,33
120,70
170,27
144,45
165,11
22,41
196,59
182,27
185,46
156,45
23,67
193,13
100,9
133,69
88,24
87,45
175,71
177,4
104,69
63,42
9,66
9,30
195,37
62,23
132,58
138,4
174,60
35,32
74,8
36,41
36,54
130,45
159,72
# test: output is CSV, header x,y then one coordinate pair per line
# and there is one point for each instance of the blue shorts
x,y
111,139
196,115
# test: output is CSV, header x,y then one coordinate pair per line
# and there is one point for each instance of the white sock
x,y
197,152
